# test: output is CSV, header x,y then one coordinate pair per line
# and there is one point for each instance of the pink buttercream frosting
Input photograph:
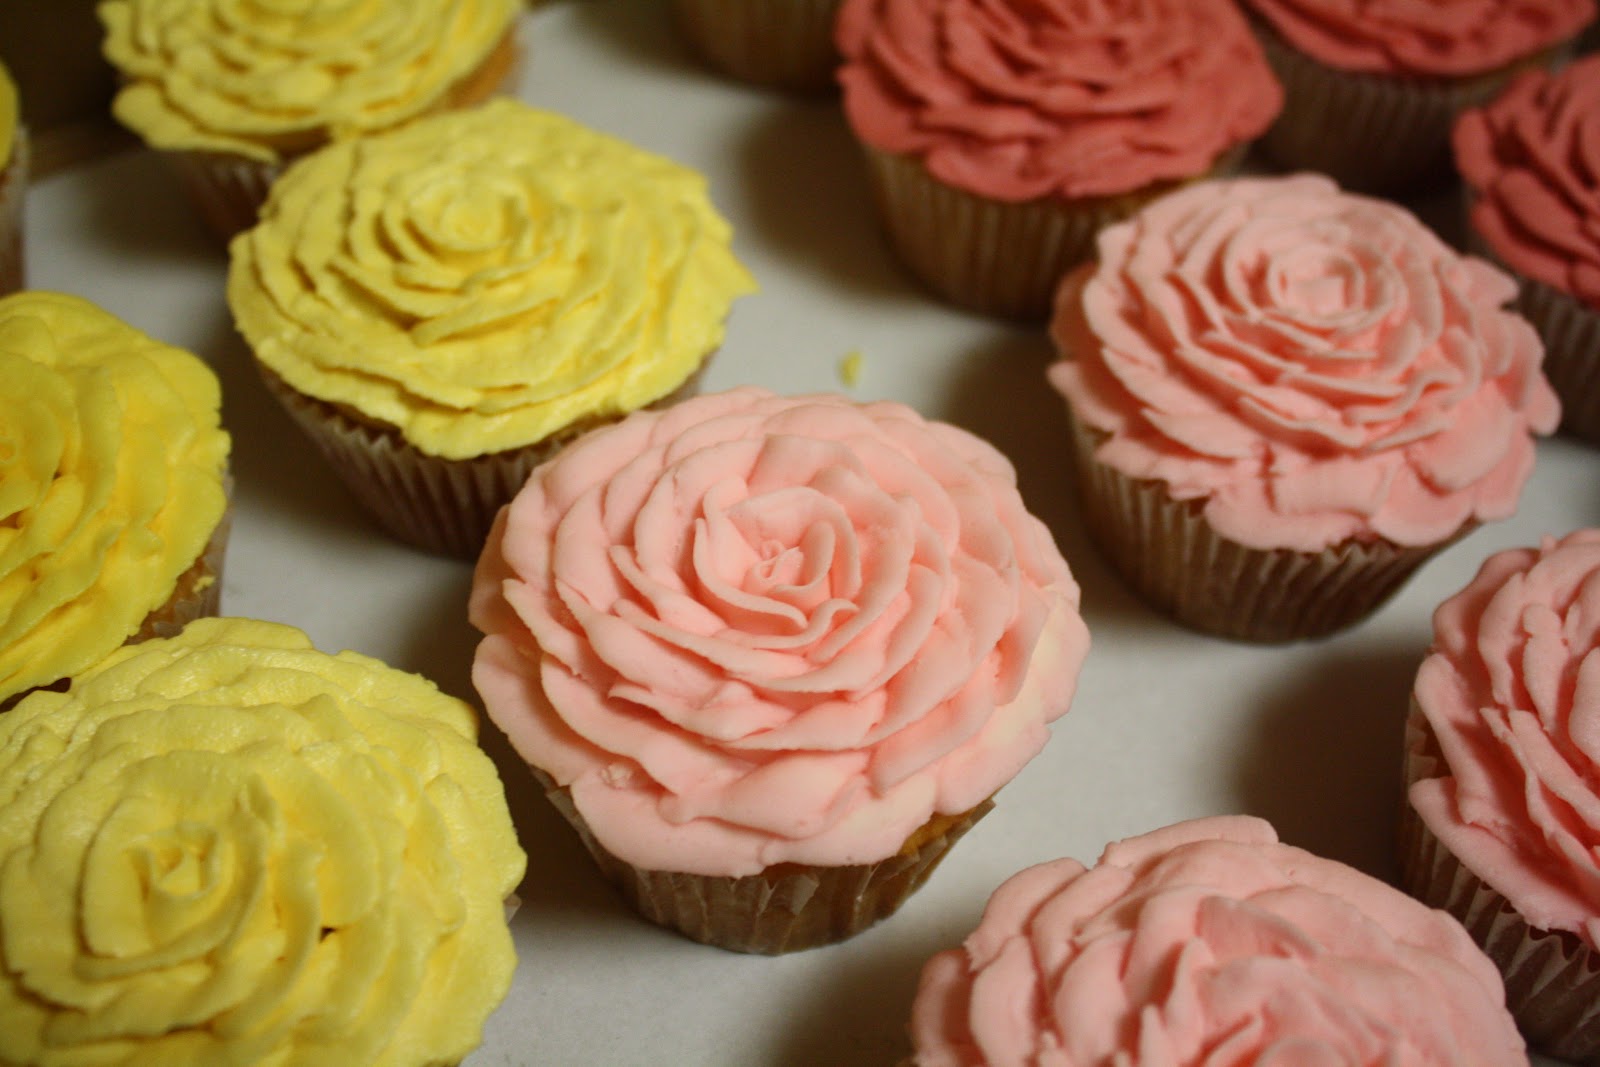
x,y
752,629
1532,160
1424,38
1315,366
1511,691
1209,943
1021,99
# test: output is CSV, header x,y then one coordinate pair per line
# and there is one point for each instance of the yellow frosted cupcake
x,y
441,305
233,91
230,848
113,488
13,185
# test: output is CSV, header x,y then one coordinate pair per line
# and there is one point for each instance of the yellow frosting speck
x,y
10,114
112,461
230,848
483,279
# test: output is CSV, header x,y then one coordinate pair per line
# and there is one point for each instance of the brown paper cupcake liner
x,y
786,44
1173,559
1372,133
1552,978
13,197
443,506
785,908
993,256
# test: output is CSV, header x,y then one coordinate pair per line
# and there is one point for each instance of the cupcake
x,y
113,488
786,44
1001,135
1372,87
1529,165
772,656
231,92
13,186
1285,398
229,848
1209,942
440,306
1502,828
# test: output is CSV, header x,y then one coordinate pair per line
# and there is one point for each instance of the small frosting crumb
x,y
850,367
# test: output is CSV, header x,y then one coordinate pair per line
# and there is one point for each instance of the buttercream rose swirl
x,y
1018,100
747,594
1330,340
230,849
1210,942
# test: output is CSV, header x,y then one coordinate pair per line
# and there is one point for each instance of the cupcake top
x,y
230,848
1457,39
266,80
1511,694
1016,99
482,279
112,465
1313,366
1531,158
750,629
1210,942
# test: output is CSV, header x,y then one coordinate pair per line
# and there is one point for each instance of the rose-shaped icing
x,y
1532,160
1315,366
1456,38
1205,943
482,279
751,629
228,848
111,481
1511,691
266,78
1020,99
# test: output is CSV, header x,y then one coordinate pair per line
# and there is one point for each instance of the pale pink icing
x,y
751,629
1435,38
1532,160
1315,366
1512,693
1019,99
1210,943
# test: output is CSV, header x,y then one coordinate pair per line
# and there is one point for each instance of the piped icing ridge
x,y
1510,693
112,463
1210,942
1313,366
1531,158
749,629
482,279
268,80
1456,39
230,848
1020,99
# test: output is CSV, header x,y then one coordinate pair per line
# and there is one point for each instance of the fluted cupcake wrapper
x,y
784,908
13,197
1173,559
198,592
1552,978
782,43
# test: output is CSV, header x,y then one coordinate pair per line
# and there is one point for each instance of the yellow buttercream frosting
x,y
228,848
482,279
10,115
266,78
112,468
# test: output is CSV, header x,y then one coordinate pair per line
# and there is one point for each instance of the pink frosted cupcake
x,y
1531,164
772,656
787,44
1001,135
1209,942
1503,760
1372,86
1285,398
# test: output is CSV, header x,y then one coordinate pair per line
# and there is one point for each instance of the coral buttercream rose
x,y
229,848
751,630
1310,367
1018,100
1210,942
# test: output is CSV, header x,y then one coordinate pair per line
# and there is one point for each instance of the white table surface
x,y
1166,725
